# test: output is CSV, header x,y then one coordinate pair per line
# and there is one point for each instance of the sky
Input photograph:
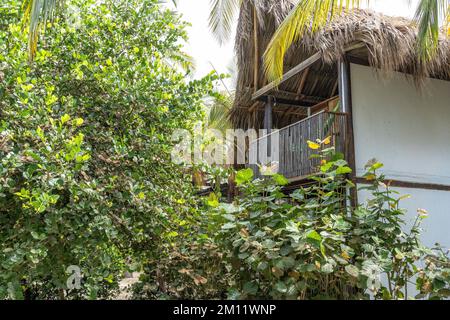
x,y
206,51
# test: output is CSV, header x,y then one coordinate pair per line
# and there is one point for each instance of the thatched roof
x,y
389,44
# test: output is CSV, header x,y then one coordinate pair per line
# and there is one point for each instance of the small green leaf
x,y
313,235
250,288
65,118
343,170
228,226
281,287
327,268
213,200
280,180
352,270
376,166
262,266
244,176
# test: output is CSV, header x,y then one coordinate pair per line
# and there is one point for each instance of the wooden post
x,y
346,107
344,86
256,50
268,115
268,123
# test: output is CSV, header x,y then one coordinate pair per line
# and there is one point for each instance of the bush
x,y
86,177
311,244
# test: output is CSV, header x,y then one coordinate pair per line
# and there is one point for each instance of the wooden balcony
x,y
288,146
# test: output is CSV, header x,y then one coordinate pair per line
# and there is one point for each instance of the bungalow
x,y
360,81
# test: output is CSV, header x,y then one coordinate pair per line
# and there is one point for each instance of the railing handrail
x,y
299,122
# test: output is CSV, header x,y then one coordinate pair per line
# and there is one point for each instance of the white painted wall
x,y
409,131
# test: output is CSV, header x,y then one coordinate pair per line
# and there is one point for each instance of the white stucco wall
x,y
409,131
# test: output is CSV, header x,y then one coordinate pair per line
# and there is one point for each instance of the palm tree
x,y
316,14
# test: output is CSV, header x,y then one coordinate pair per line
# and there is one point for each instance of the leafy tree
x,y
86,177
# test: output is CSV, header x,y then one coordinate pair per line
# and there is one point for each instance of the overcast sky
x,y
206,51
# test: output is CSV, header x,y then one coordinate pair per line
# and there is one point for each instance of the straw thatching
x,y
389,44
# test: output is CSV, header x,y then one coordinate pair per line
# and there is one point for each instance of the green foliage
x,y
309,244
86,177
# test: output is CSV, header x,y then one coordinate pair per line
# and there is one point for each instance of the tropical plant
x,y
315,15
311,244
86,177
220,108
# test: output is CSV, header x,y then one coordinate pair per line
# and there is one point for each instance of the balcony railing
x,y
287,148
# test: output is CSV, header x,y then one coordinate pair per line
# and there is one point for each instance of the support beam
x,y
256,50
344,86
335,87
288,75
288,102
345,94
268,124
408,184
303,82
299,68
268,115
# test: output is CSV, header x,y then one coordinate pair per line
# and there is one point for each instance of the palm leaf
x,y
221,18
36,14
307,15
428,15
218,114
447,21
311,15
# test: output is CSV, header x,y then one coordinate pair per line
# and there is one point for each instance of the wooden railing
x,y
288,149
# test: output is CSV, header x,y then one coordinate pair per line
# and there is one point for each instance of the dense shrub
x,y
311,244
85,171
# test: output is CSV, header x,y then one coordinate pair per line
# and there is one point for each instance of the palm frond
x,y
36,14
306,15
428,15
447,21
221,18
219,113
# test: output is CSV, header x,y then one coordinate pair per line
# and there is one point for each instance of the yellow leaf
x,y
371,177
327,141
406,196
345,255
313,145
78,122
65,118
